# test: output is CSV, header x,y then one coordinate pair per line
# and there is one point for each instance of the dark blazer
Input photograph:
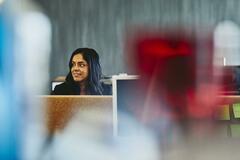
x,y
67,89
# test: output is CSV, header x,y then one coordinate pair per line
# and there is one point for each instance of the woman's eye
x,y
82,65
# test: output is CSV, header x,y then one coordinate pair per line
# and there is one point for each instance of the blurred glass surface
x,y
25,46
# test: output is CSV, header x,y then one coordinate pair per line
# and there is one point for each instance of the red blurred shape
x,y
167,65
161,47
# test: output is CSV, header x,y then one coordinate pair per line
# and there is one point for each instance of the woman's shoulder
x,y
61,89
107,89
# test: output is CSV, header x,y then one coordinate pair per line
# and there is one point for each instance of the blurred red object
x,y
173,86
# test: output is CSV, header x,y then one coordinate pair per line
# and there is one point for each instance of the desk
x,y
59,110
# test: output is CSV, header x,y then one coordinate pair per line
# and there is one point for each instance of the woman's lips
x,y
77,74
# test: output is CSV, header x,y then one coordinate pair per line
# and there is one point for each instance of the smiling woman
x,y
84,75
79,69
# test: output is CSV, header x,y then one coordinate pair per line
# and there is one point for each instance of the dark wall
x,y
102,24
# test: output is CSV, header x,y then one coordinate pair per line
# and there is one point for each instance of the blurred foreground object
x,y
80,125
9,106
177,95
31,49
173,74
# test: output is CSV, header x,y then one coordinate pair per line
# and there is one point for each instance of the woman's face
x,y
79,68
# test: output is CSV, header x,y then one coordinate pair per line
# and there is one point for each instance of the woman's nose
x,y
76,68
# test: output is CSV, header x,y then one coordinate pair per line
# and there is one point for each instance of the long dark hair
x,y
95,71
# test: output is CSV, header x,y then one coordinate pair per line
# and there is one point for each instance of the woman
x,y
84,75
